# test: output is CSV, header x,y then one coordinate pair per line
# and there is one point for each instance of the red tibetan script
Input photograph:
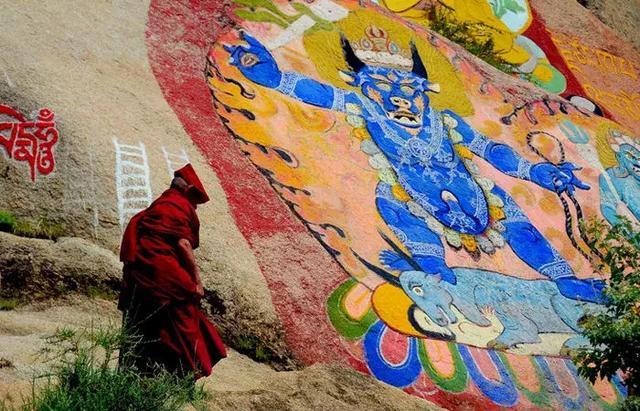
x,y
30,141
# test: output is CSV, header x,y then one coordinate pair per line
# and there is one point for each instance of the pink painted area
x,y
357,302
484,363
525,370
440,356
177,59
606,391
394,347
564,377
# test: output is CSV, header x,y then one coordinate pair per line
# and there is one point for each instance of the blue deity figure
x,y
621,183
420,147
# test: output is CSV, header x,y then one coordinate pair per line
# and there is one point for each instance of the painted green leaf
x,y
501,7
348,327
260,16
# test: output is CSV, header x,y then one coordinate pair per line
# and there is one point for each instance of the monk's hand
x,y
200,290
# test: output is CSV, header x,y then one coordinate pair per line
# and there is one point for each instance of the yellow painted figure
x,y
474,12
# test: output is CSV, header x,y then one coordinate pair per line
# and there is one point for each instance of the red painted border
x,y
286,253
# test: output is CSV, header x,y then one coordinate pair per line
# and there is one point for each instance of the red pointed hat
x,y
188,174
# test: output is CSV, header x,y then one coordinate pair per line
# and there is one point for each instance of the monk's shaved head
x,y
179,183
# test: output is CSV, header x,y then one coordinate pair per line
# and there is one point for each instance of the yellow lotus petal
x,y
392,305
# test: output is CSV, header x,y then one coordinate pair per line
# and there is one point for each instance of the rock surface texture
x,y
621,15
349,154
34,269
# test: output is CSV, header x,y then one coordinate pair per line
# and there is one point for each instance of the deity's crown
x,y
377,49
616,139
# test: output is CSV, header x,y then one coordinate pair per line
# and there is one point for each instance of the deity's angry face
x,y
629,158
400,94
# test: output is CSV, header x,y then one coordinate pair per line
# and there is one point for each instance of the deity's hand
x,y
436,266
255,62
428,264
558,178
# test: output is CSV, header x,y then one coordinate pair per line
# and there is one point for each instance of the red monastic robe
x,y
159,296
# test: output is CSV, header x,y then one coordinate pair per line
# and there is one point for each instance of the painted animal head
x,y
427,293
629,158
627,154
401,94
431,313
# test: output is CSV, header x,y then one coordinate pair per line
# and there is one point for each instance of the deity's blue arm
x,y
499,155
608,201
257,64
554,177
313,92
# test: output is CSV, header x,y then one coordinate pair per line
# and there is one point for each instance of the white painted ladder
x,y
175,160
132,180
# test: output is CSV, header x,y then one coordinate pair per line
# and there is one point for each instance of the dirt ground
x,y
236,383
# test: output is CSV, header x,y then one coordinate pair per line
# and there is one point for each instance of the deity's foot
x,y
589,289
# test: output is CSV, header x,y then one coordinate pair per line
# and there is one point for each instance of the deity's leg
x,y
532,248
424,245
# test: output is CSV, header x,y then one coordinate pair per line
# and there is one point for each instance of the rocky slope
x,y
87,61
621,15
237,383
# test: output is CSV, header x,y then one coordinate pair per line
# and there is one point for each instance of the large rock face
x,y
338,188
106,103
34,269
621,15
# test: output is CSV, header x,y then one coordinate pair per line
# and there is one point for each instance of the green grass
x,y
252,347
7,220
85,376
102,293
465,34
40,228
8,304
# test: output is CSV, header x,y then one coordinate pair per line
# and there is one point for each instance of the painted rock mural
x,y
600,81
447,256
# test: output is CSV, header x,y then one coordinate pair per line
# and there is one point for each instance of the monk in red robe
x,y
161,287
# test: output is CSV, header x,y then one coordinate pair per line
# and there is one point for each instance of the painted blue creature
x,y
622,184
508,311
526,308
419,144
